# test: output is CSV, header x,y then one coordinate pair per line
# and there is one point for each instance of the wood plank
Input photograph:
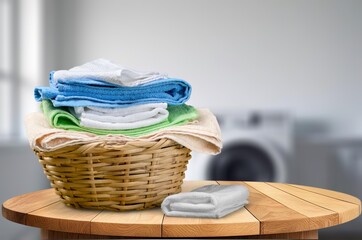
x,y
313,234
59,217
49,234
16,208
346,211
274,217
238,223
329,193
274,210
145,223
320,217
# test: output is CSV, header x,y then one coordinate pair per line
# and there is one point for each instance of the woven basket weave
x,y
134,176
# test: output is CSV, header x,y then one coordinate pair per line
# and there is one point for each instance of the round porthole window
x,y
242,162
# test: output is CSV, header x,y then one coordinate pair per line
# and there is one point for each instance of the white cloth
x,y
210,201
108,71
121,118
202,135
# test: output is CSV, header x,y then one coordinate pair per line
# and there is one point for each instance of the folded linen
x,y
80,92
107,71
210,201
61,118
202,135
121,118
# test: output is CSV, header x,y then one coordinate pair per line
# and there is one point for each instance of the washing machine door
x,y
248,161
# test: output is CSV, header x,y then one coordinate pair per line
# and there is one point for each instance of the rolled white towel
x,y
121,118
210,201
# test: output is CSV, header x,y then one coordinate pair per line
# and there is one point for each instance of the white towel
x,y
103,69
121,118
210,201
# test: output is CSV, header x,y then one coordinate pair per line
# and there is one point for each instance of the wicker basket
x,y
134,176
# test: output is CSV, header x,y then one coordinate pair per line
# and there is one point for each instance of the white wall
x,y
303,56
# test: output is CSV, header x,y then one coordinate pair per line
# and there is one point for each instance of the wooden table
x,y
275,210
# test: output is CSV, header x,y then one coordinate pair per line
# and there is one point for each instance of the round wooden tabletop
x,y
274,208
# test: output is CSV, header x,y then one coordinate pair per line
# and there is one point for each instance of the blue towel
x,y
80,92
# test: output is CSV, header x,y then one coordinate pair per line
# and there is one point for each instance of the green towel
x,y
59,117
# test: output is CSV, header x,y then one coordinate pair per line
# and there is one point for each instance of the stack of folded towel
x,y
101,99
104,98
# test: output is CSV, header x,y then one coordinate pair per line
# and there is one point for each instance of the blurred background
x,y
283,77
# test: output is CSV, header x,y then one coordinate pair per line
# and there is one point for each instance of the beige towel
x,y
202,135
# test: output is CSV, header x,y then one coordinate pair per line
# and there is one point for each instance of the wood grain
x,y
346,211
313,234
274,217
145,223
59,217
238,223
16,208
329,193
275,210
50,234
319,216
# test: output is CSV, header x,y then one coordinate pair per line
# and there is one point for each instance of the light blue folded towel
x,y
80,92
210,201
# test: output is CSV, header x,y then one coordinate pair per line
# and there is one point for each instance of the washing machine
x,y
257,146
